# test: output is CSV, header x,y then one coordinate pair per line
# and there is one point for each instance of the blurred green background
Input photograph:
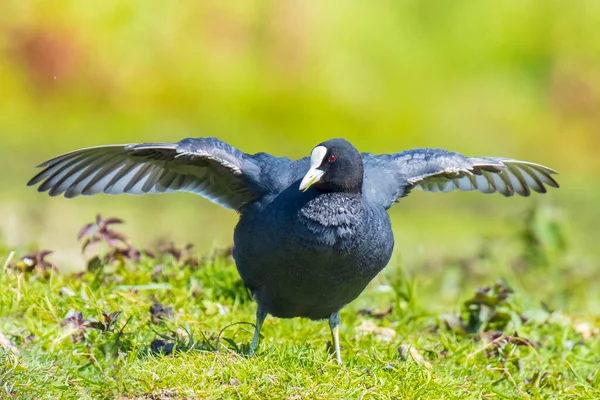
x,y
518,79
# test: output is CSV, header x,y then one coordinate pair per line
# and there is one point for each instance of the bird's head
x,y
335,166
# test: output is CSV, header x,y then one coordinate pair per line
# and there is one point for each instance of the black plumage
x,y
312,232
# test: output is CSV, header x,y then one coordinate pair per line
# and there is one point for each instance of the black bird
x,y
312,232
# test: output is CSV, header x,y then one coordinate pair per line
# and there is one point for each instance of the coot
x,y
312,232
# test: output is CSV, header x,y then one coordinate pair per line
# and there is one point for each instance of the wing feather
x,y
437,170
205,166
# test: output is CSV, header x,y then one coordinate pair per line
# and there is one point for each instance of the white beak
x,y
314,174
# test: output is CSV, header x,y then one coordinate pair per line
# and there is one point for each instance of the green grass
x,y
465,344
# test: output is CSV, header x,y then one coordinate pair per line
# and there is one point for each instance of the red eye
x,y
332,158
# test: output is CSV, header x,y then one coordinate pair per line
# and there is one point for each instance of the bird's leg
x,y
260,318
334,325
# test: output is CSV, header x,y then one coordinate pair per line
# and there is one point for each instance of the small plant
x,y
35,262
110,246
97,334
182,255
100,231
108,322
488,310
78,325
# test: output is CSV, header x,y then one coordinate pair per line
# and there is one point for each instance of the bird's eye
x,y
332,158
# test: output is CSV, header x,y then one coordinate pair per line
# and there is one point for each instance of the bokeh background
x,y
517,78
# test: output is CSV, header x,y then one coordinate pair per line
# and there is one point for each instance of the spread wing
x,y
389,177
204,166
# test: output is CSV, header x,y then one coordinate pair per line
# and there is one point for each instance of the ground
x,y
166,323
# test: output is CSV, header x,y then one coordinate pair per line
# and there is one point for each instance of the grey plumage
x,y
302,253
203,166
389,177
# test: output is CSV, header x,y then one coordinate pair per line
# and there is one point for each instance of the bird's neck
x,y
341,187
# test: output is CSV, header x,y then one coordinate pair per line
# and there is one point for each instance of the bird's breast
x,y
329,219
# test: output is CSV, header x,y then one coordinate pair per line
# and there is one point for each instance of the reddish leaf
x,y
84,231
113,220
